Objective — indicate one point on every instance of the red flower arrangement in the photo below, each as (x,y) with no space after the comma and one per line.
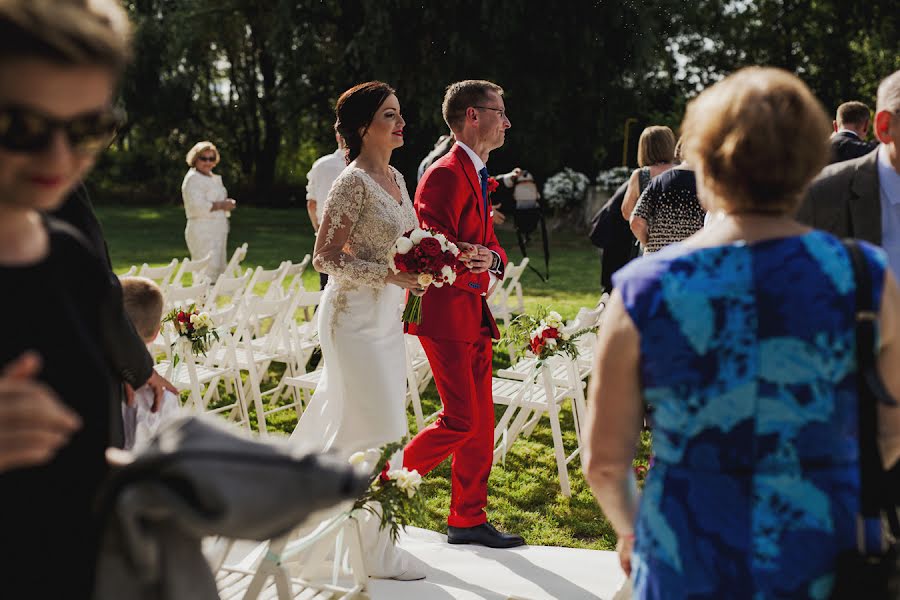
(433,257)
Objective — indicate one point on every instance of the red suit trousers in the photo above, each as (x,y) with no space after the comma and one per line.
(464,428)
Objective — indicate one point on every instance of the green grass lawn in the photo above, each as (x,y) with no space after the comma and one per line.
(524,493)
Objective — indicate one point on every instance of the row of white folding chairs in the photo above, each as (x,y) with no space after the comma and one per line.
(253,334)
(507,297)
(530,390)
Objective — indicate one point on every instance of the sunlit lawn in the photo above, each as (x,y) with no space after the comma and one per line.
(524,492)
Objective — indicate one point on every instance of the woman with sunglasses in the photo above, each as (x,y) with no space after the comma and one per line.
(207,206)
(59,65)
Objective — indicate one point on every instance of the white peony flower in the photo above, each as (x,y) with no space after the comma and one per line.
(539,331)
(418,235)
(201,320)
(565,335)
(407,481)
(554,319)
(403,245)
(550,342)
(425,279)
(448,274)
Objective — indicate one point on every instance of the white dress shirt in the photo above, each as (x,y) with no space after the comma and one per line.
(320,177)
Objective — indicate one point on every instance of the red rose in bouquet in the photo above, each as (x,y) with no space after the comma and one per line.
(433,257)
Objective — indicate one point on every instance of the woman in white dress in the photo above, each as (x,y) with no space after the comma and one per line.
(207,206)
(360,400)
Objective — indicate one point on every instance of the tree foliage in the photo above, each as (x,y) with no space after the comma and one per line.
(259,77)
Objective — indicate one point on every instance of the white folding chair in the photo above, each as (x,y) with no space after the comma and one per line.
(296,270)
(501,300)
(527,401)
(200,378)
(418,376)
(227,291)
(183,297)
(233,268)
(195,268)
(132,271)
(255,355)
(268,577)
(266,283)
(161,275)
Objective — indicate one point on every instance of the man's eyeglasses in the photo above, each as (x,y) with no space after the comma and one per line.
(500,111)
(206,158)
(27,130)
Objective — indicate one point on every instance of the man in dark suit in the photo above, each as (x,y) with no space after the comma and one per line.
(861,197)
(851,125)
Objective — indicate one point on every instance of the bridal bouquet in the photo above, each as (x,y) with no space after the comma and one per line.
(543,335)
(430,254)
(395,490)
(194,327)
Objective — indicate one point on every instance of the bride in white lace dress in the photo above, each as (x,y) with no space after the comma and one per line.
(360,400)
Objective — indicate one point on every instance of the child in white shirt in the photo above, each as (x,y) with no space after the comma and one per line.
(143,301)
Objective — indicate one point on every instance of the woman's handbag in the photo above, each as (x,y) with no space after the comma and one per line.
(872,570)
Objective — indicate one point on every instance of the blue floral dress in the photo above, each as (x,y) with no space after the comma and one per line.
(747,358)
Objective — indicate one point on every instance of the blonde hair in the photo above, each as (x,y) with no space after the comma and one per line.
(71,32)
(757,138)
(199,147)
(461,95)
(657,145)
(143,300)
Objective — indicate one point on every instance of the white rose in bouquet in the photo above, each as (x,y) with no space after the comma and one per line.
(418,235)
(425,279)
(403,245)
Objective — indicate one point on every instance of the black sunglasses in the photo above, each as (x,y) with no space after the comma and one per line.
(27,130)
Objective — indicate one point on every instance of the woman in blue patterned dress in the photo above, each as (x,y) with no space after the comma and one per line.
(742,339)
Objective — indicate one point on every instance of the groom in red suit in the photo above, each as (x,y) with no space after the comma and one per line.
(457,326)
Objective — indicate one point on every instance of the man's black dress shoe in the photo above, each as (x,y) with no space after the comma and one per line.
(484,534)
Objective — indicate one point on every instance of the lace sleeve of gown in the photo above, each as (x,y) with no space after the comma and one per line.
(339,217)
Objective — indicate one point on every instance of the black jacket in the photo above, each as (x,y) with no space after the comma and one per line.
(846,145)
(610,231)
(125,349)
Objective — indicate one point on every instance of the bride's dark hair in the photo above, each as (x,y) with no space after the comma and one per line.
(355,110)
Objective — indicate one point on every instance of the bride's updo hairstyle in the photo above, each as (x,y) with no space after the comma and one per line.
(757,138)
(355,110)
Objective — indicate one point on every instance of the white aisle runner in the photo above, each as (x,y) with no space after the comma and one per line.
(527,573)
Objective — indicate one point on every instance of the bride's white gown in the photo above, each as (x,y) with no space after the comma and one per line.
(359,402)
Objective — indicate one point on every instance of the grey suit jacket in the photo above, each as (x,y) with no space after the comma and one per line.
(845,200)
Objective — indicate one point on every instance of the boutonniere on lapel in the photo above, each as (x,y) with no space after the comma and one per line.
(492,185)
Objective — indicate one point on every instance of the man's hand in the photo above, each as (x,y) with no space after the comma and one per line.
(480,261)
(498,217)
(159,384)
(34,424)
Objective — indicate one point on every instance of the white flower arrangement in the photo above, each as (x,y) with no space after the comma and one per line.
(610,179)
(566,188)
(393,494)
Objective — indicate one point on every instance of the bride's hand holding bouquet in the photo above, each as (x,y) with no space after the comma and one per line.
(429,257)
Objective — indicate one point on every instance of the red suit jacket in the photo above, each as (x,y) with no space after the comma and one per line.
(448,200)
